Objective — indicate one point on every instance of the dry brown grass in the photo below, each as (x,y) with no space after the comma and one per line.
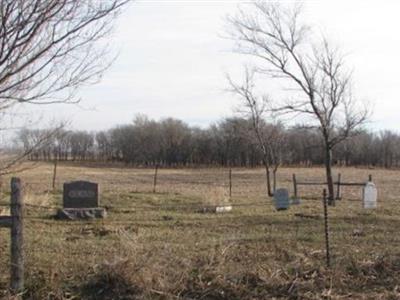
(216,196)
(156,246)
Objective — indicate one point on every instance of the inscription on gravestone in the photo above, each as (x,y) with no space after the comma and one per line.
(80,194)
(281,199)
(370,195)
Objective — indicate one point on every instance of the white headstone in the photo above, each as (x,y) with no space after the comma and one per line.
(370,195)
(281,199)
(222,209)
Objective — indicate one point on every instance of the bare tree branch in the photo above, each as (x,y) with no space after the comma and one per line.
(269,138)
(50,48)
(285,48)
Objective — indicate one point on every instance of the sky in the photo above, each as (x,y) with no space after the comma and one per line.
(174,55)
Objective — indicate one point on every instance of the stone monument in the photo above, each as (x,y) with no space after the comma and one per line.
(281,199)
(370,195)
(81,201)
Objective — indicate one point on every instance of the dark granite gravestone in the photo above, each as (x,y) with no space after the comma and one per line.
(80,194)
(281,199)
(81,201)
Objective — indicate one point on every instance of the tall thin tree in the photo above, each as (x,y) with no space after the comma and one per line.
(320,85)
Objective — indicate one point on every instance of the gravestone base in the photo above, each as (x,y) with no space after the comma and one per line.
(81,213)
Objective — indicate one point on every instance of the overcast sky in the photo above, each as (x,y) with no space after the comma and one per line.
(172,60)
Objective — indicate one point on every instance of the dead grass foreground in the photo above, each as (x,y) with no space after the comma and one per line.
(157,246)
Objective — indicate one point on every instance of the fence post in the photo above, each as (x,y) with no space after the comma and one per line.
(325,204)
(54,174)
(294,186)
(338,196)
(155,179)
(370,178)
(17,237)
(230,182)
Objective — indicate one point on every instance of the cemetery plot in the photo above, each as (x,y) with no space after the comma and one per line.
(252,252)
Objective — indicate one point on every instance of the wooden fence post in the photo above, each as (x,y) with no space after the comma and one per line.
(155,179)
(54,174)
(230,183)
(325,204)
(17,236)
(294,186)
(338,196)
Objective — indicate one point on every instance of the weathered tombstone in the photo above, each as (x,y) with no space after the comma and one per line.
(370,195)
(281,199)
(80,194)
(81,201)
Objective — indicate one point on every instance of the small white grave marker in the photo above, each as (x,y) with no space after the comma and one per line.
(222,209)
(281,199)
(370,195)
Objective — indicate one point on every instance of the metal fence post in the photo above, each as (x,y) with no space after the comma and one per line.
(325,204)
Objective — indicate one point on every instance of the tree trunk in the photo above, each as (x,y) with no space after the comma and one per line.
(268,177)
(274,179)
(329,179)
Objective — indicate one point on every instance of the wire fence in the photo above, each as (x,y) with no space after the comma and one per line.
(145,184)
(200,182)
(173,202)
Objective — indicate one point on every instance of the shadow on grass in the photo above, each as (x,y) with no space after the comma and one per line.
(109,285)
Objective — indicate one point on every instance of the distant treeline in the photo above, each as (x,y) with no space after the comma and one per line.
(171,142)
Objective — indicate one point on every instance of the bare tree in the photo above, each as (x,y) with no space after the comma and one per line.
(321,87)
(50,48)
(231,141)
(36,144)
(269,138)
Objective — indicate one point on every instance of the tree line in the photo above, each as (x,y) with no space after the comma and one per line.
(229,142)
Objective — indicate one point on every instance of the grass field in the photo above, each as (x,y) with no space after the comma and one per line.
(158,246)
